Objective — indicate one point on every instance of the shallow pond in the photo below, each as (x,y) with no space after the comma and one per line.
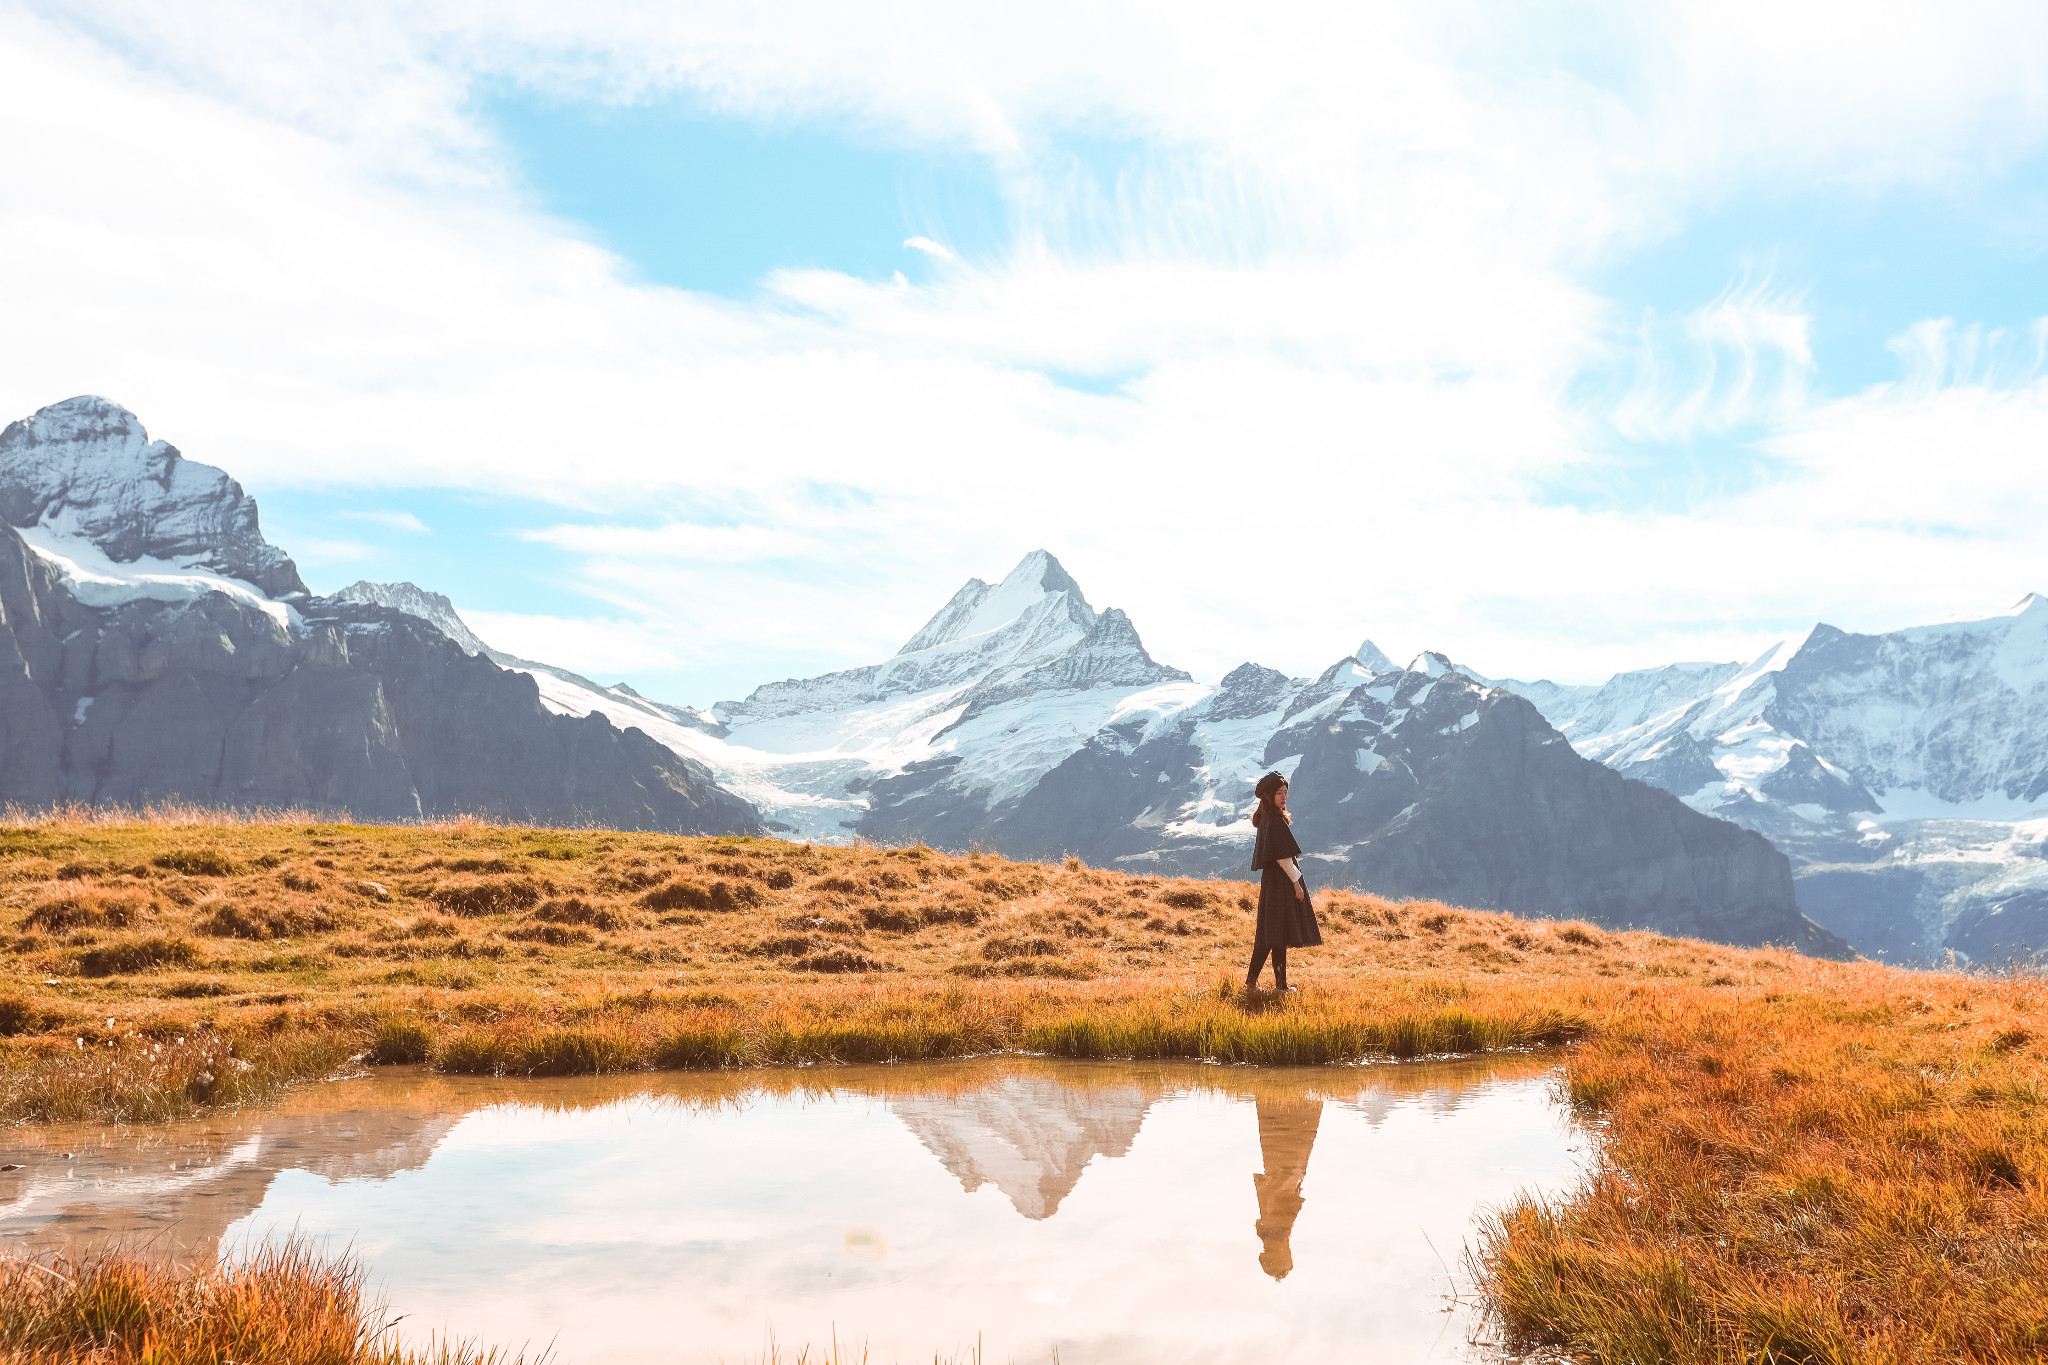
(1079,1212)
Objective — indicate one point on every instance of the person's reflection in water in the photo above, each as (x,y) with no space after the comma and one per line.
(1287,1133)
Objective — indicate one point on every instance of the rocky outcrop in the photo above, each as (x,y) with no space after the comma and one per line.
(86,468)
(431,607)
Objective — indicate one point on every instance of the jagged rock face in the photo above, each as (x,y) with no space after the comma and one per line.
(430,607)
(2003,927)
(1423,783)
(1340,677)
(437,611)
(1624,701)
(145,655)
(1446,789)
(1957,711)
(362,710)
(86,468)
(1891,768)
(1249,690)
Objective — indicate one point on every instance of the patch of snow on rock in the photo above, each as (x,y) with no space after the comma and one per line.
(99,581)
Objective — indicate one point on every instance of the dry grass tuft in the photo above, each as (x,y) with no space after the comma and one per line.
(283,1306)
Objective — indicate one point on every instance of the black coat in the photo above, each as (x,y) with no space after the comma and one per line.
(1285,920)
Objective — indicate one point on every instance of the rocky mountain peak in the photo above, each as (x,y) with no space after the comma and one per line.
(1032,632)
(1372,658)
(1038,587)
(1250,690)
(430,607)
(86,468)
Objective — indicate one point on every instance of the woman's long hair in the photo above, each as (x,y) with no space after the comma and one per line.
(1268,791)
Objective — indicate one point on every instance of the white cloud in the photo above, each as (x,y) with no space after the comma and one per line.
(936,250)
(316,551)
(1342,261)
(397,521)
(600,648)
(1741,360)
(681,541)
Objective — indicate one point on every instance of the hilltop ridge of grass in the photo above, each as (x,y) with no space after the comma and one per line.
(160,965)
(1800,1160)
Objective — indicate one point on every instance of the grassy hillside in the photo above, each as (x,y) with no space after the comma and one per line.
(1804,1160)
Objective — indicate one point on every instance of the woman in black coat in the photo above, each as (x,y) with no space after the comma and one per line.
(1286,919)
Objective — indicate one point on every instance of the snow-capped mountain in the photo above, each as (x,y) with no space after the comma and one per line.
(154,646)
(82,476)
(430,607)
(1032,633)
(1419,781)
(1906,774)
(1000,686)
(1021,719)
(167,650)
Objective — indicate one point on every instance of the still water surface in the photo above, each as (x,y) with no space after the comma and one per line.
(1063,1211)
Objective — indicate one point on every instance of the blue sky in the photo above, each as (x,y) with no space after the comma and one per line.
(713,204)
(701,348)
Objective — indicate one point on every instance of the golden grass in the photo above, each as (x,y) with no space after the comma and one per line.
(282,1306)
(1803,1160)
(1806,1175)
(249,952)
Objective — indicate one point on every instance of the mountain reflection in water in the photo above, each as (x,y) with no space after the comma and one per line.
(1093,1210)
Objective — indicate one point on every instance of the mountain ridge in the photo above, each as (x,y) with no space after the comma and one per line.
(1903,771)
(142,658)
(1020,719)
(1018,715)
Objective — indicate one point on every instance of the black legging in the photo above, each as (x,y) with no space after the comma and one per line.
(1251,978)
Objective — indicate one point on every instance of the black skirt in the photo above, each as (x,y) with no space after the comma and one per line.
(1285,919)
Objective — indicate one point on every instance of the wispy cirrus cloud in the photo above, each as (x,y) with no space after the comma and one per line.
(1741,360)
